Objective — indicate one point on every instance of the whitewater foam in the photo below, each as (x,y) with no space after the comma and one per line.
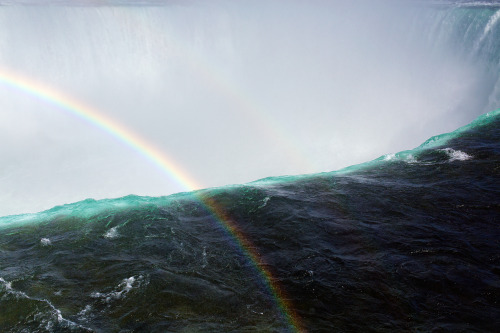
(456,155)
(55,312)
(121,290)
(112,233)
(408,158)
(7,285)
(85,314)
(45,242)
(389,157)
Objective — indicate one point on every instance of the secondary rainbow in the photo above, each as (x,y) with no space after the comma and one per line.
(247,107)
(164,163)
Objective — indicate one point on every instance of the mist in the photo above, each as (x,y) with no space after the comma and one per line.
(231,91)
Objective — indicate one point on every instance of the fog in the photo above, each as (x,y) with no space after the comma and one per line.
(232,91)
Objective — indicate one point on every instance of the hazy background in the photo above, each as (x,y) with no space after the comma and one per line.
(233,91)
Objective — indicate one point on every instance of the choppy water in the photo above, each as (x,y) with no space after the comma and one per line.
(407,242)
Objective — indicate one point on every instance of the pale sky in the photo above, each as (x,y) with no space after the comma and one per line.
(231,91)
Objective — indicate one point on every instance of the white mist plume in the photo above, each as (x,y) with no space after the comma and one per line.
(233,91)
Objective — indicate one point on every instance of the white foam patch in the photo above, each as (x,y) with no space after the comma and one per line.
(85,313)
(121,290)
(456,155)
(410,159)
(389,157)
(45,242)
(8,285)
(55,312)
(85,310)
(112,233)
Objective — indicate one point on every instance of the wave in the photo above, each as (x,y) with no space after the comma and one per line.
(435,145)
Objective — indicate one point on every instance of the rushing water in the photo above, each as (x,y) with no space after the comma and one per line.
(406,242)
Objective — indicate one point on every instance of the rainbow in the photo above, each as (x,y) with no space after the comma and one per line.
(166,164)
(253,112)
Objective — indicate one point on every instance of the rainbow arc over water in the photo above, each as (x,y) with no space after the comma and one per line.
(164,162)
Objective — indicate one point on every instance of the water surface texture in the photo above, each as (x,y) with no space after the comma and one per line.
(407,242)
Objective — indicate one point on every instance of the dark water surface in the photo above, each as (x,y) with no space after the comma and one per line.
(409,242)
